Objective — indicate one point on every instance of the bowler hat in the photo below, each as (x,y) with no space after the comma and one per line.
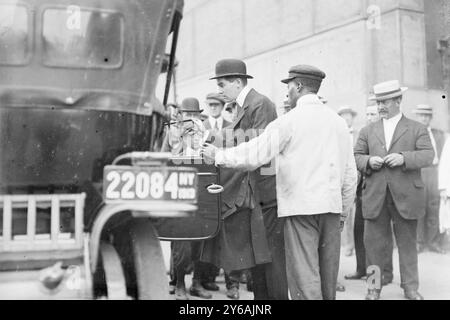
(231,68)
(347,109)
(190,105)
(387,90)
(423,109)
(304,71)
(216,96)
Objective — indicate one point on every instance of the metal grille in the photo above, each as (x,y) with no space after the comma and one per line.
(33,241)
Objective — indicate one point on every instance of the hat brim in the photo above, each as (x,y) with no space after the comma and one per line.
(423,112)
(186,110)
(388,96)
(226,75)
(352,112)
(286,81)
(216,99)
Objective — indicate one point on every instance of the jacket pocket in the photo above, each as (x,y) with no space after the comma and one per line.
(419,183)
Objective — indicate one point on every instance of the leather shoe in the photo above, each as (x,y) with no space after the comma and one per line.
(413,295)
(197,290)
(233,293)
(180,294)
(420,248)
(250,286)
(373,295)
(171,289)
(340,287)
(348,252)
(386,281)
(243,278)
(436,248)
(210,286)
(354,276)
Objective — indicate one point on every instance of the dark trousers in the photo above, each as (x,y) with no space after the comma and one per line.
(185,257)
(376,233)
(270,280)
(208,272)
(232,279)
(360,251)
(428,226)
(312,255)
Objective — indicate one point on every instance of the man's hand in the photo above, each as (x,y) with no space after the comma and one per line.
(444,195)
(209,152)
(341,225)
(376,163)
(394,160)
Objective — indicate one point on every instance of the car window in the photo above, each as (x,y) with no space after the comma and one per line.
(13,34)
(82,38)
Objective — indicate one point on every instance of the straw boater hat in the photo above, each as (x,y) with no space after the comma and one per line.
(423,109)
(387,90)
(347,109)
(190,105)
(231,68)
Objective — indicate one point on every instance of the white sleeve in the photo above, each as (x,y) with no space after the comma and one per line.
(256,152)
(444,168)
(350,182)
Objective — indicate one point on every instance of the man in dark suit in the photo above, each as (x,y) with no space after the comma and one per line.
(251,235)
(428,235)
(390,153)
(372,116)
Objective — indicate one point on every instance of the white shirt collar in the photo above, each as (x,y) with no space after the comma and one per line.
(241,97)
(308,98)
(212,122)
(394,120)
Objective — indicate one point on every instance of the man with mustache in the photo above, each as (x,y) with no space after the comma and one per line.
(372,116)
(390,154)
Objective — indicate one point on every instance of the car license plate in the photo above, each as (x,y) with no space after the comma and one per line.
(150,183)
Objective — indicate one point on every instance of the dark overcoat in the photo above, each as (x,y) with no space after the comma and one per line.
(242,241)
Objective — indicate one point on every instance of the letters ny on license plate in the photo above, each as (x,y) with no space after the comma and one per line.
(149,183)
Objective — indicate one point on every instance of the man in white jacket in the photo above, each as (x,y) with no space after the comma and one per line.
(444,188)
(316,181)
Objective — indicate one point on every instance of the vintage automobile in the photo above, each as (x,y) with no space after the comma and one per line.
(85,193)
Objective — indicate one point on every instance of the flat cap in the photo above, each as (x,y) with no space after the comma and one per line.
(304,71)
(216,96)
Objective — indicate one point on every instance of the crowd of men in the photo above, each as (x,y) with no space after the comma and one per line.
(293,183)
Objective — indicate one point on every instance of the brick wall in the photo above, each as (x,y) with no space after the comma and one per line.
(335,35)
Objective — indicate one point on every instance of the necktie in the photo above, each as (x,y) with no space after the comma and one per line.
(216,125)
(236,109)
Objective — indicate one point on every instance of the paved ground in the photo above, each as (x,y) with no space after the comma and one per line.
(434,274)
(434,278)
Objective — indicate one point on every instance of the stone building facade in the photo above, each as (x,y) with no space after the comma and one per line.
(356,42)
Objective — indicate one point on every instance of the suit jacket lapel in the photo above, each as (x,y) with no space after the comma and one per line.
(207,124)
(379,133)
(400,130)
